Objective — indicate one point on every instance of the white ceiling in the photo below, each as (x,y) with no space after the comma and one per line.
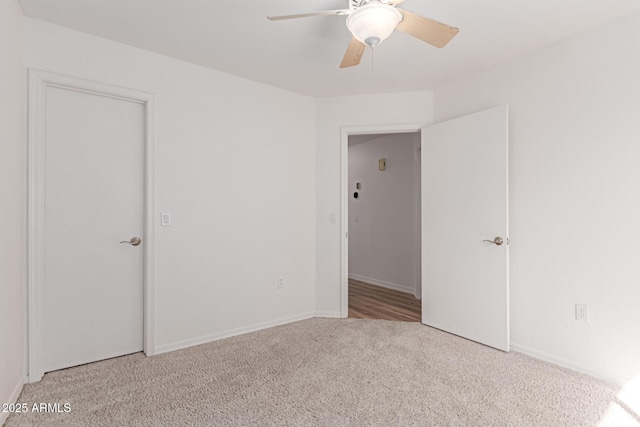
(303,55)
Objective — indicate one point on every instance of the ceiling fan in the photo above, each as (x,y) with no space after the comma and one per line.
(372,21)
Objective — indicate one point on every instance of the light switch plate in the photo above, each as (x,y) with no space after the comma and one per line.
(165,219)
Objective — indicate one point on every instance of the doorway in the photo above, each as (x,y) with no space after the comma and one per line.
(90,230)
(381,222)
(464,220)
(384,226)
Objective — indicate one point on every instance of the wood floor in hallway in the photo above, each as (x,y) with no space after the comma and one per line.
(368,301)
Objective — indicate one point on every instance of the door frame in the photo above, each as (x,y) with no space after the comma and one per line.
(345,132)
(39,81)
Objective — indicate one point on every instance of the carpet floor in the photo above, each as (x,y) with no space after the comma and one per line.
(326,372)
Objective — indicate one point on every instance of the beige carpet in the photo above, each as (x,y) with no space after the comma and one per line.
(327,372)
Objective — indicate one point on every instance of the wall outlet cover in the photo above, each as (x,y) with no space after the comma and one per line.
(582,312)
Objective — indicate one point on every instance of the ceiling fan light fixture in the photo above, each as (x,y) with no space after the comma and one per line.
(373,23)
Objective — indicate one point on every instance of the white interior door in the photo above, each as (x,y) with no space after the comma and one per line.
(465,279)
(94,198)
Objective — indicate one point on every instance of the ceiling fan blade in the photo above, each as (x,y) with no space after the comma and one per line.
(304,15)
(354,52)
(433,32)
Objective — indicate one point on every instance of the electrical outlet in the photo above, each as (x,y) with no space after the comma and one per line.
(280,282)
(582,312)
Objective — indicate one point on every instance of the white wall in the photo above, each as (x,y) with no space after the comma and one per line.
(575,204)
(11,202)
(331,115)
(235,168)
(383,220)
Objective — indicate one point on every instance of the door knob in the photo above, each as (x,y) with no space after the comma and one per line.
(135,241)
(497,241)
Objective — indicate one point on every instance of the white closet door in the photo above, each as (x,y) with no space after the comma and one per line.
(94,194)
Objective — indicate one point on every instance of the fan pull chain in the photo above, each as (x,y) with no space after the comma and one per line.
(372,59)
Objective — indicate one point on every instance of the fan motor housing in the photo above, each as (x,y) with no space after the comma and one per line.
(354,4)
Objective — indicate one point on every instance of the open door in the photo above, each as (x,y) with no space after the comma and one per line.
(465,227)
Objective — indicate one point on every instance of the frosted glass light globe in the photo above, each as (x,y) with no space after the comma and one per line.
(373,23)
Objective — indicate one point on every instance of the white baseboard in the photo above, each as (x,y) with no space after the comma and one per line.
(383,284)
(611,378)
(331,314)
(230,333)
(12,399)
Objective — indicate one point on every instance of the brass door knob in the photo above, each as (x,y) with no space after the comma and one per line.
(497,241)
(135,241)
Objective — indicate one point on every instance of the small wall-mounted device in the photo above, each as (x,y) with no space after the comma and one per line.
(358,186)
(355,195)
(382,164)
(165,219)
